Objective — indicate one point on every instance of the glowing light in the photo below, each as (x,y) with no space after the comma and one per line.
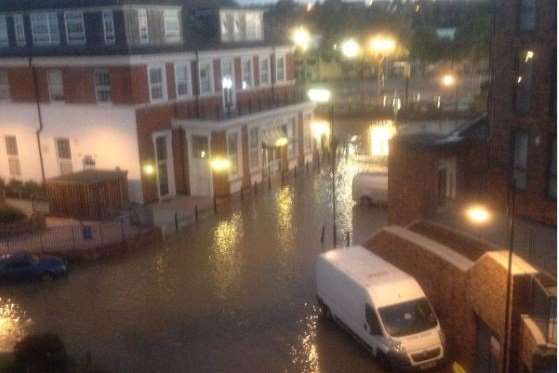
(14,324)
(149,169)
(282,141)
(203,154)
(448,80)
(301,38)
(227,83)
(319,95)
(519,80)
(529,56)
(319,129)
(220,164)
(380,136)
(351,48)
(478,214)
(382,45)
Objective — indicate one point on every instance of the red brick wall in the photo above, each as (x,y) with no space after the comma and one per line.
(79,85)
(22,88)
(139,84)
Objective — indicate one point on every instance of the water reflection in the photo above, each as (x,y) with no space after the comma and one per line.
(304,352)
(14,324)
(225,256)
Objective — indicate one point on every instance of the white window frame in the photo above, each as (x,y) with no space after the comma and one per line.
(52,86)
(4,39)
(102,89)
(19,30)
(109,27)
(243,74)
(188,81)
(75,38)
(13,159)
(266,59)
(63,161)
(143,38)
(170,16)
(53,33)
(4,85)
(212,83)
(257,17)
(283,58)
(163,82)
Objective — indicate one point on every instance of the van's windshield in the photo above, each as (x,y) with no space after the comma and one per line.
(408,317)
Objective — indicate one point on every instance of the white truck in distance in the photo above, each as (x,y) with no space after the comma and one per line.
(381,306)
(371,187)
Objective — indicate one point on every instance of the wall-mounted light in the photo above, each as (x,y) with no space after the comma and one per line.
(220,164)
(282,141)
(149,169)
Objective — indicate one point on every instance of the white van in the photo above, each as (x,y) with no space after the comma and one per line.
(380,305)
(371,187)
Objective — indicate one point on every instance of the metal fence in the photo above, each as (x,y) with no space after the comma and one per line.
(83,236)
(544,308)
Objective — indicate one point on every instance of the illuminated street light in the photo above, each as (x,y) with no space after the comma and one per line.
(149,169)
(320,129)
(319,95)
(448,80)
(351,48)
(301,38)
(383,45)
(282,141)
(478,214)
(219,164)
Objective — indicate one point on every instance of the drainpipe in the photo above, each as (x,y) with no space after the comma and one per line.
(40,118)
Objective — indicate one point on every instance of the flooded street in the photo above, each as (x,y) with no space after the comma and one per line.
(235,293)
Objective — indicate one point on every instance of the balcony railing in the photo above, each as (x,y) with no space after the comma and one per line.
(544,306)
(250,104)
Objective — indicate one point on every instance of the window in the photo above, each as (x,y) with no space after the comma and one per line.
(157,89)
(64,155)
(4,85)
(4,41)
(246,73)
(75,27)
(233,153)
(56,89)
(44,27)
(552,178)
(227,26)
(280,68)
(143,29)
(372,321)
(239,30)
(526,15)
(13,156)
(172,25)
(182,79)
(524,82)
(264,70)
(19,29)
(200,148)
(254,148)
(102,85)
(206,78)
(253,26)
(109,27)
(307,136)
(520,161)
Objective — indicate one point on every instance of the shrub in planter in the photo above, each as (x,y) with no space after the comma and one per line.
(9,214)
(40,353)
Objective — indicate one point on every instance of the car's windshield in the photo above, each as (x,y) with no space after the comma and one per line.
(408,317)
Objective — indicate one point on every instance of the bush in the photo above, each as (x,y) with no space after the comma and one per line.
(9,214)
(41,353)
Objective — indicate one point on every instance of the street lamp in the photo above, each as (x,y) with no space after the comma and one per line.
(449,81)
(381,46)
(301,38)
(351,48)
(323,96)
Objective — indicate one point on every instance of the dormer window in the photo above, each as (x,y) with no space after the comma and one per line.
(143,29)
(240,25)
(109,27)
(75,27)
(19,29)
(44,27)
(171,24)
(3,32)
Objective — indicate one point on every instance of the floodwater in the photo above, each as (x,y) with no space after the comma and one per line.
(235,293)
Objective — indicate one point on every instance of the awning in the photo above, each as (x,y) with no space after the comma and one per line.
(271,136)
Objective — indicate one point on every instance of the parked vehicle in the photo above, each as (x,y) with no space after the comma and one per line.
(371,187)
(381,306)
(24,267)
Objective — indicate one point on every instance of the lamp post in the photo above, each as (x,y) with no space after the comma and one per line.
(381,46)
(479,215)
(324,96)
(351,50)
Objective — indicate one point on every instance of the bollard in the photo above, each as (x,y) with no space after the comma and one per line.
(176,222)
(196,213)
(347,241)
(322,234)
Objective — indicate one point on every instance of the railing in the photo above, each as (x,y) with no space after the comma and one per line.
(544,307)
(58,239)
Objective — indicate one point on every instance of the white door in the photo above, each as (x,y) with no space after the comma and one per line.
(200,173)
(164,166)
(228,84)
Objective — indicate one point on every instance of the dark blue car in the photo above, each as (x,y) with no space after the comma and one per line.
(24,267)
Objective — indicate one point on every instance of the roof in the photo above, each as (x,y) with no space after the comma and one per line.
(12,5)
(87,177)
(386,284)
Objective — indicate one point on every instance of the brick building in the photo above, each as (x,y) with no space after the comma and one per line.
(155,88)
